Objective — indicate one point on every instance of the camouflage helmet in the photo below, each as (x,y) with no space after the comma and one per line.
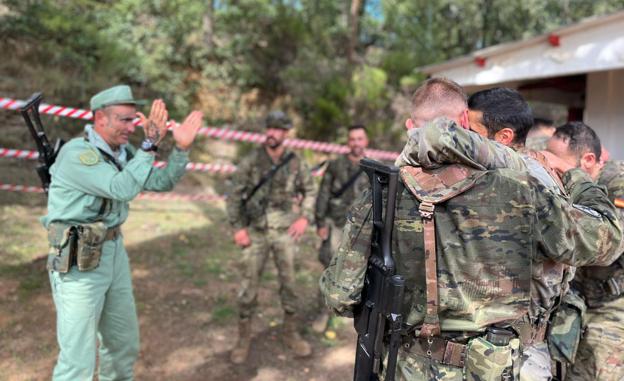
(278,119)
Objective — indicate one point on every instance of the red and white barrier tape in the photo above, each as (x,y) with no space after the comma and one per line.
(220,168)
(142,196)
(211,132)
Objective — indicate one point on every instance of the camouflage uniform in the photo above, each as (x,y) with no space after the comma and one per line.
(332,211)
(267,216)
(493,243)
(537,143)
(600,354)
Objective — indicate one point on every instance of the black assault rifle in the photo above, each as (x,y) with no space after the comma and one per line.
(378,319)
(47,154)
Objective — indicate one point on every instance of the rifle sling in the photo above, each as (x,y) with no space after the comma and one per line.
(268,176)
(347,184)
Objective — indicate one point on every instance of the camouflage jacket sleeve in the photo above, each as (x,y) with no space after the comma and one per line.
(443,142)
(305,187)
(324,195)
(342,282)
(581,231)
(239,184)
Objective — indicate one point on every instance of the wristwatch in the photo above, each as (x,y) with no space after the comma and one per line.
(148,145)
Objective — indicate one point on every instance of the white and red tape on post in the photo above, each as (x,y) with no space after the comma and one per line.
(211,132)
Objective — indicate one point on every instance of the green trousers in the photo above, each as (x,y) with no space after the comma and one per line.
(94,306)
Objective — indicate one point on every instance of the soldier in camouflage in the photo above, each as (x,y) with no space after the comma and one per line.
(495,113)
(342,182)
(600,354)
(269,208)
(492,242)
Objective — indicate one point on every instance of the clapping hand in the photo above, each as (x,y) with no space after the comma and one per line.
(155,127)
(184,134)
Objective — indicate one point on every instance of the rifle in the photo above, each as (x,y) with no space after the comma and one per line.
(47,154)
(378,318)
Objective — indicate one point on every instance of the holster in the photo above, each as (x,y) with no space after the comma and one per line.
(79,245)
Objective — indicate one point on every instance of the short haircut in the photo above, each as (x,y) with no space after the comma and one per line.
(436,92)
(580,137)
(503,108)
(357,127)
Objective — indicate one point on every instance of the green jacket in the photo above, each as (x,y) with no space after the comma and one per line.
(82,179)
(277,204)
(490,241)
(337,174)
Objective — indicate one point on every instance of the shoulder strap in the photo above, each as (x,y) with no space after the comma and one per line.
(347,184)
(431,188)
(268,176)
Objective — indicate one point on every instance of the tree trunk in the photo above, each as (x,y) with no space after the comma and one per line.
(354,27)
(208,25)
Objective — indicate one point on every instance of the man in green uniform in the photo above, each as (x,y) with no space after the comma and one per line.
(342,183)
(271,183)
(600,354)
(93,180)
(492,239)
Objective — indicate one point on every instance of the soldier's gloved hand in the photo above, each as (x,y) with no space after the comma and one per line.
(298,227)
(155,127)
(241,238)
(323,232)
(184,134)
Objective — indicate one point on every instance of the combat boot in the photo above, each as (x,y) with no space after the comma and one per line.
(240,352)
(293,339)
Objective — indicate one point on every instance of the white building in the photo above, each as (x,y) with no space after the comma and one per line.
(580,67)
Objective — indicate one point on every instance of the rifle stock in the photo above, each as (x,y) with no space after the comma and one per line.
(378,318)
(47,153)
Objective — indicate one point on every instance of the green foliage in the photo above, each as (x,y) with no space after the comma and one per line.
(237,59)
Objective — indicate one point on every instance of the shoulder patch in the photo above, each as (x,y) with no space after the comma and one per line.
(587,210)
(89,157)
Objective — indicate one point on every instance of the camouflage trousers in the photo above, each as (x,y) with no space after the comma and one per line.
(600,354)
(266,243)
(534,365)
(331,244)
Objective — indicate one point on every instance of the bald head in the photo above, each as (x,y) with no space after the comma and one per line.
(435,98)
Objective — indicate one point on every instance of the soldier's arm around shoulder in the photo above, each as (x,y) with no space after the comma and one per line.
(324,195)
(240,183)
(81,167)
(342,282)
(442,141)
(164,179)
(583,230)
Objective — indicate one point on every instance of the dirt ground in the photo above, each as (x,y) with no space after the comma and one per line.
(186,276)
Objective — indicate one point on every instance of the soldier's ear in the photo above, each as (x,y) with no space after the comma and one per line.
(505,136)
(409,123)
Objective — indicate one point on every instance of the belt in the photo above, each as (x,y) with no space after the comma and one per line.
(439,349)
(112,233)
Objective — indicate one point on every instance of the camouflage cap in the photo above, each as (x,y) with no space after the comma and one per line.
(116,95)
(278,119)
